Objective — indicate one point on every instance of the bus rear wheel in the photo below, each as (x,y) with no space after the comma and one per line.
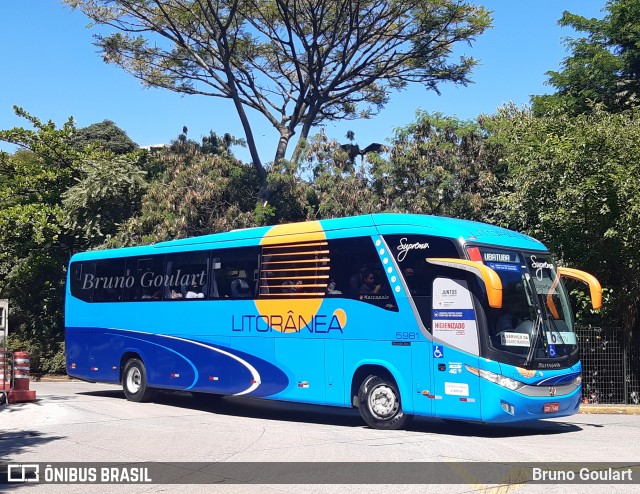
(379,404)
(134,381)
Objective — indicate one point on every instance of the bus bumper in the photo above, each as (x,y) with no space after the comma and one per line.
(501,405)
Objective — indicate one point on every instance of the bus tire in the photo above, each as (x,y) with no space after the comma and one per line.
(379,404)
(134,382)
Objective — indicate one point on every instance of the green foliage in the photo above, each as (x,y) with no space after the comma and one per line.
(438,165)
(46,353)
(573,183)
(584,312)
(337,187)
(197,194)
(107,194)
(54,199)
(296,63)
(105,136)
(288,203)
(604,66)
(34,246)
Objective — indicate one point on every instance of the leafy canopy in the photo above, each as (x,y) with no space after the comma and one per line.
(573,184)
(604,65)
(296,62)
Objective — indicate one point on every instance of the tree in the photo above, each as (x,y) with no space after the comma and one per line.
(438,165)
(573,184)
(55,197)
(336,185)
(34,246)
(108,193)
(106,136)
(296,62)
(604,66)
(203,189)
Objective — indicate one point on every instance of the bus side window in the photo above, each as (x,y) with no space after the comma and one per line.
(82,279)
(187,276)
(234,273)
(296,270)
(144,278)
(357,272)
(410,253)
(109,281)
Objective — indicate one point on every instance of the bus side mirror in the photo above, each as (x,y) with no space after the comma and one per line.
(595,289)
(489,277)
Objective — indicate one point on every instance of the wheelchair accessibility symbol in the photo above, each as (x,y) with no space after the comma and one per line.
(438,351)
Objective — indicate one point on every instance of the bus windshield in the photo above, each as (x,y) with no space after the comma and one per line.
(534,323)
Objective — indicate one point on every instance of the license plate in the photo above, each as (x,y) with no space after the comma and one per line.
(551,407)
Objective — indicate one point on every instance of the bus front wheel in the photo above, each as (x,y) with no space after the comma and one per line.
(379,404)
(134,381)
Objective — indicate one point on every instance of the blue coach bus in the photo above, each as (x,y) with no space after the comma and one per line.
(398,315)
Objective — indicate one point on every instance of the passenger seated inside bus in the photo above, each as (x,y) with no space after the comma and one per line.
(291,286)
(355,282)
(194,291)
(240,288)
(151,294)
(369,285)
(515,317)
(331,288)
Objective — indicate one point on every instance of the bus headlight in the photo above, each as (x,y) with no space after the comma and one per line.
(500,380)
(578,381)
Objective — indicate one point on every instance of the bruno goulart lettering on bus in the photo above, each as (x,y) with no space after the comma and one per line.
(147,280)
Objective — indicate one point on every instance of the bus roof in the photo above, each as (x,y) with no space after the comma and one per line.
(463,230)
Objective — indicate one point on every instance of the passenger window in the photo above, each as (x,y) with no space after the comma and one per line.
(109,281)
(357,272)
(410,253)
(186,276)
(82,278)
(145,278)
(234,273)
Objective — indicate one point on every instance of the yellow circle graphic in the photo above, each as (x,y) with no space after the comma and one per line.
(288,316)
(341,316)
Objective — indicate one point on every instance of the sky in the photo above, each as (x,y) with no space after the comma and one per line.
(50,67)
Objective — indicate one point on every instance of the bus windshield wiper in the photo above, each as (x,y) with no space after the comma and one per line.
(536,333)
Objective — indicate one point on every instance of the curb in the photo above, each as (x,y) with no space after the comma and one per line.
(52,378)
(610,409)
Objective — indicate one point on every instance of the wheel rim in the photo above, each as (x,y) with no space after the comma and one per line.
(134,378)
(383,402)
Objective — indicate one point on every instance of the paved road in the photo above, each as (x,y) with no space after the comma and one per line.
(82,422)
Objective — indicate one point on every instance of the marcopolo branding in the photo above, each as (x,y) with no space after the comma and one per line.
(147,280)
(553,365)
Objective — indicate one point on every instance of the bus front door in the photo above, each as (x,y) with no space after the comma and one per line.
(456,391)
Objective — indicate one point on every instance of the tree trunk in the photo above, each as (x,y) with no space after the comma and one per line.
(264,194)
(285,136)
(304,135)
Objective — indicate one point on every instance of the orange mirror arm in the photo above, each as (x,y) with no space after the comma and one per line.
(489,277)
(594,285)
